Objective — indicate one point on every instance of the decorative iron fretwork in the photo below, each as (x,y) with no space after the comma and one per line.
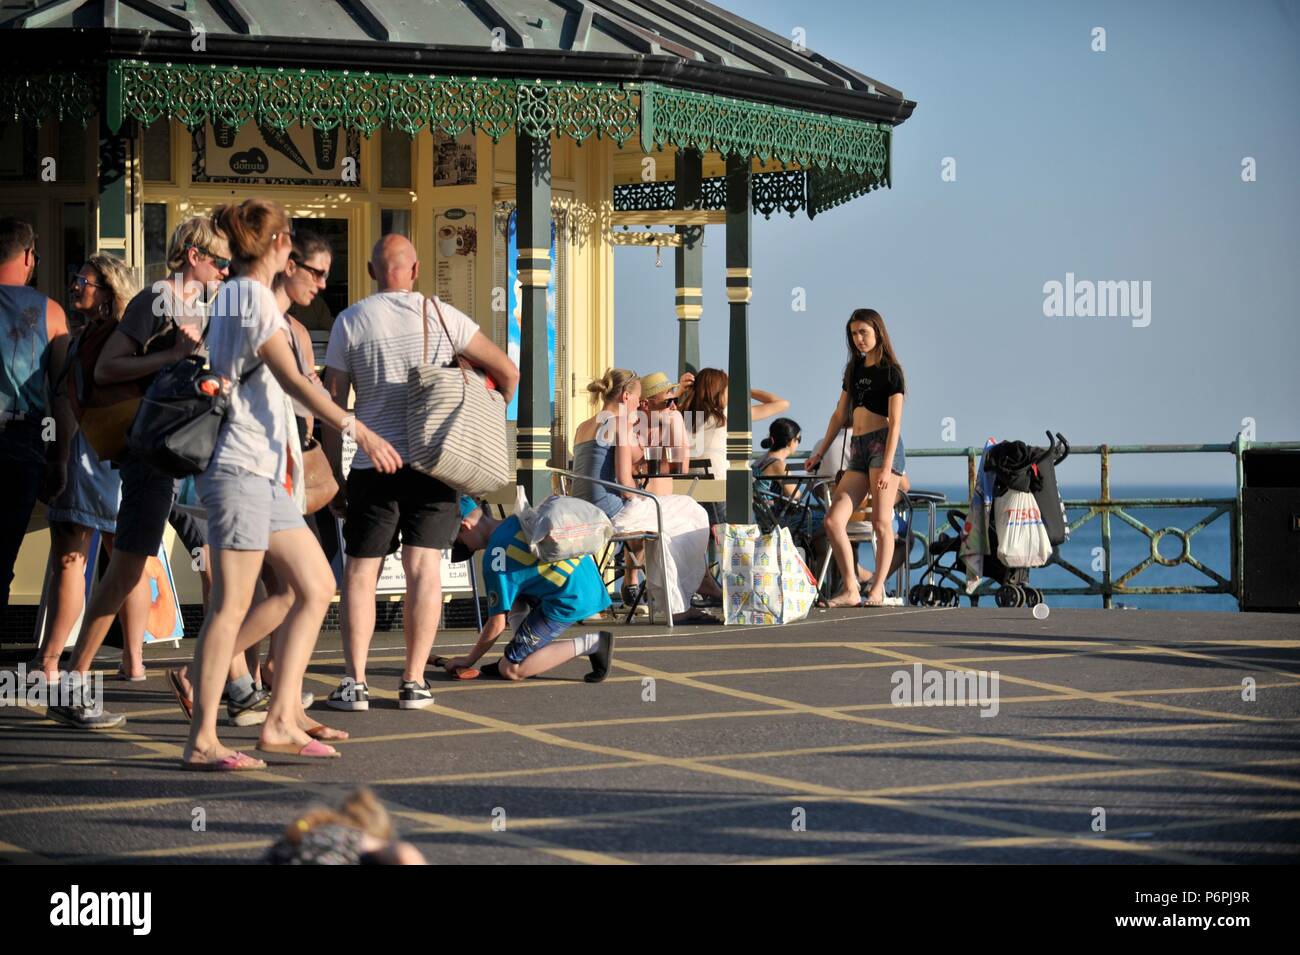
(687,119)
(325,99)
(770,191)
(713,193)
(645,196)
(37,95)
(830,188)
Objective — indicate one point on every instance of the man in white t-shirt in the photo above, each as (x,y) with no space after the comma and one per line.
(373,346)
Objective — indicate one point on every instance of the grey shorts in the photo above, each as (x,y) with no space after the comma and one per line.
(868,452)
(245,509)
(147,498)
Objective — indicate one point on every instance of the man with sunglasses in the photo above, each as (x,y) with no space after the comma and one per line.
(161,325)
(33,347)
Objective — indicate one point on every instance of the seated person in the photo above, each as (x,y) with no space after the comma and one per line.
(782,441)
(678,565)
(550,597)
(604,448)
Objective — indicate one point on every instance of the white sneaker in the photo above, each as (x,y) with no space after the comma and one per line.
(349,695)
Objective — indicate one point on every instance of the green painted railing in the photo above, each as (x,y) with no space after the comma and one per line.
(1105,507)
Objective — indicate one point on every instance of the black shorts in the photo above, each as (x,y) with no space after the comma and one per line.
(407,507)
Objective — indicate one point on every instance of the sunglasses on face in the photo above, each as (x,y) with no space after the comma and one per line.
(220,263)
(80,282)
(318,274)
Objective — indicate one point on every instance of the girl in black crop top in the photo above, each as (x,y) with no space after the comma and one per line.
(873,377)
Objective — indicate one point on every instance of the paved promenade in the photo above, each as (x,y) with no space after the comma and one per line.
(742,745)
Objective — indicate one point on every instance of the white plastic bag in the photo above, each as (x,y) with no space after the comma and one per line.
(564,527)
(1022,535)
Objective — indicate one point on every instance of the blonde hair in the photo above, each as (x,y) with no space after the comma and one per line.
(361,810)
(611,385)
(251,227)
(197,232)
(120,279)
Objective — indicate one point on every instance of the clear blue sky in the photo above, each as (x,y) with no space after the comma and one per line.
(1122,165)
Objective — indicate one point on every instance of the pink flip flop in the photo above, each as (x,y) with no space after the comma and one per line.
(237,763)
(313,750)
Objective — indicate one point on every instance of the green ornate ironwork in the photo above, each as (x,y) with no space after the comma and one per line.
(326,99)
(36,95)
(829,188)
(770,191)
(686,119)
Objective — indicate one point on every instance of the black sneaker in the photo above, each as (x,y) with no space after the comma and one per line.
(250,711)
(349,695)
(414,696)
(600,658)
(85,718)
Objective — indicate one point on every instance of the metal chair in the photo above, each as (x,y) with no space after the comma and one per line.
(618,567)
(861,532)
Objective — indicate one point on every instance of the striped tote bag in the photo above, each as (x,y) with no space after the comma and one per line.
(455,424)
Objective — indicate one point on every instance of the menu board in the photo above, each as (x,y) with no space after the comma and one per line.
(455,244)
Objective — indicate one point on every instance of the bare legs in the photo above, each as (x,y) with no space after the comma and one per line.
(423,566)
(360,577)
(849,494)
(882,527)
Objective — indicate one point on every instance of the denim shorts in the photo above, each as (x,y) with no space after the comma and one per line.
(868,452)
(245,509)
(535,632)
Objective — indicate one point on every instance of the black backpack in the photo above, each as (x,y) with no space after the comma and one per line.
(176,428)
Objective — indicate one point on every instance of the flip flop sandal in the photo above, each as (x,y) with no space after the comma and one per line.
(178,690)
(238,763)
(313,750)
(326,733)
(459,673)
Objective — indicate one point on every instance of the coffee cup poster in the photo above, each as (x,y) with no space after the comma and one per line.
(268,156)
(455,244)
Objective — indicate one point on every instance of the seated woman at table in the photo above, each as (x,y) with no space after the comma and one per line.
(704,406)
(605,448)
(637,430)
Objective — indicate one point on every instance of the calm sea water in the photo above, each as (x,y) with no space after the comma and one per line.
(1129,547)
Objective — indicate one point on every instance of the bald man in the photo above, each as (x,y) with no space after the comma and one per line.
(373,346)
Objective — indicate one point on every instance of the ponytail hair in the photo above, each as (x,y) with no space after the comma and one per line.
(611,385)
(780,433)
(251,227)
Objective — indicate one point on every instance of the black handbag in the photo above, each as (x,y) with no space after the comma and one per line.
(176,428)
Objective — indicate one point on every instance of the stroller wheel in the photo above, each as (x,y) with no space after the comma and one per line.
(1010,596)
(934,597)
(1032,597)
(950,597)
(914,595)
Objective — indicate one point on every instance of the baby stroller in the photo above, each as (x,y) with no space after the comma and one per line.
(1006,466)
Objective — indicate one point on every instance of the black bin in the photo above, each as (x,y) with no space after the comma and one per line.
(1270,526)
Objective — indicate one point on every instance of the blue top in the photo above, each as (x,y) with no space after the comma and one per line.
(567,590)
(595,459)
(24,350)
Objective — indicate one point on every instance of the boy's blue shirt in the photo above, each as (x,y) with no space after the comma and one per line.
(567,590)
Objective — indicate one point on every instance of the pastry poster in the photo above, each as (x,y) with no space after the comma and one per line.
(297,156)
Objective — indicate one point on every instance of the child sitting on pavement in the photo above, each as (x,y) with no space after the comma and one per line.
(550,597)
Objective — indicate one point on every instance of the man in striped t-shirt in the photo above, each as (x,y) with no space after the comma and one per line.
(373,346)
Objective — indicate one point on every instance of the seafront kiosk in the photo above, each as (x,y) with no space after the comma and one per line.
(516,146)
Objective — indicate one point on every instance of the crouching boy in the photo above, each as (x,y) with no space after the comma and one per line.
(549,597)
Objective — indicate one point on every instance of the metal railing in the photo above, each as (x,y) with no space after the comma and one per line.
(1105,507)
